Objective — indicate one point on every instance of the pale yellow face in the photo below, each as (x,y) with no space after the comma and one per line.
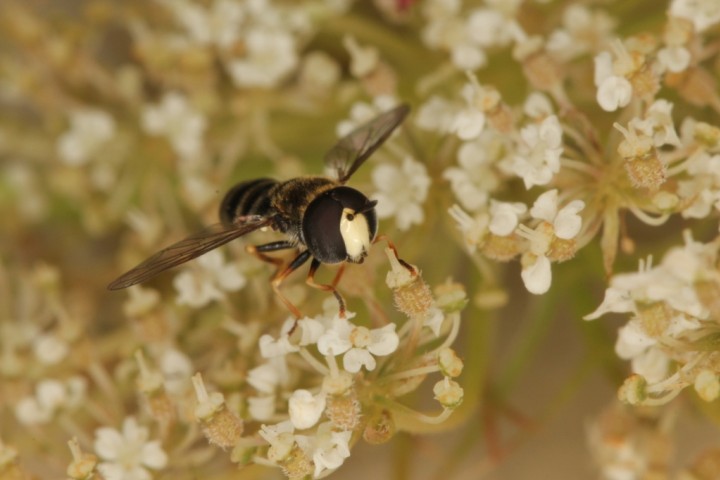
(355,233)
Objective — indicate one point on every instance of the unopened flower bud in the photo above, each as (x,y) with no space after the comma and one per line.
(655,318)
(297,465)
(380,428)
(151,385)
(707,385)
(450,297)
(338,384)
(665,201)
(83,465)
(10,467)
(707,134)
(243,454)
(502,248)
(450,364)
(646,172)
(411,294)
(344,411)
(448,392)
(561,249)
(220,426)
(633,391)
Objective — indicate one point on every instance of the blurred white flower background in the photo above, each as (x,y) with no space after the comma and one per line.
(543,297)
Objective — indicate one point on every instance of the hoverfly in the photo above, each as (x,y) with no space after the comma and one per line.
(321,217)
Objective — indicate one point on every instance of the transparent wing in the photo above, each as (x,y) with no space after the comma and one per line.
(187,249)
(352,150)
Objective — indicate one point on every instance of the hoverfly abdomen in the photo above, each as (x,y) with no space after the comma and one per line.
(252,197)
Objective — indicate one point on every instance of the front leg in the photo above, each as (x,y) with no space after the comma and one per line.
(280,274)
(328,288)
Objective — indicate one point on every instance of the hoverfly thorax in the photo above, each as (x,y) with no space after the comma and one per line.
(340,225)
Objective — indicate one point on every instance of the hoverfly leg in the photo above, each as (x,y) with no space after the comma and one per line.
(338,275)
(392,247)
(310,280)
(259,251)
(281,275)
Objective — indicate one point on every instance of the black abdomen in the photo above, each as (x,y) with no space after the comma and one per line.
(251,197)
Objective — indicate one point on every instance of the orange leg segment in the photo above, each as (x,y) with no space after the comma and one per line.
(281,273)
(328,288)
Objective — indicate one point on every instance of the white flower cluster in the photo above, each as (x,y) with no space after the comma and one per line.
(468,35)
(318,422)
(488,156)
(51,397)
(673,308)
(268,33)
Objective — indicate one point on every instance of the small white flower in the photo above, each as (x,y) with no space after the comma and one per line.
(564,224)
(703,13)
(674,58)
(474,229)
(504,217)
(330,448)
(305,408)
(281,439)
(50,397)
(218,25)
(401,192)
(538,155)
(434,320)
(671,282)
(176,369)
(90,129)
(271,347)
(128,455)
(362,112)
(583,31)
(271,55)
(437,115)
(175,119)
(537,106)
(614,91)
(658,124)
(488,27)
(363,60)
(49,349)
(468,124)
(537,276)
(197,288)
(269,376)
(262,408)
(475,177)
(358,344)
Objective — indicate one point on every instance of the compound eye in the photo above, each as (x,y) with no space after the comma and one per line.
(321,230)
